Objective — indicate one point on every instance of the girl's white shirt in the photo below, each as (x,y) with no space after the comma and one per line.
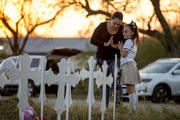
(131,47)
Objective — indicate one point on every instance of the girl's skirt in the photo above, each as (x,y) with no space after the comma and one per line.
(130,74)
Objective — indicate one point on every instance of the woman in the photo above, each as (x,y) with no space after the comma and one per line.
(106,34)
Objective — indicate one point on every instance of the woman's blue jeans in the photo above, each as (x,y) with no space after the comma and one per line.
(110,70)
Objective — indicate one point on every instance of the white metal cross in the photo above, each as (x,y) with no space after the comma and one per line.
(23,73)
(62,78)
(72,80)
(102,80)
(90,74)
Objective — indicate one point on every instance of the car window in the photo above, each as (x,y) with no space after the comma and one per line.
(158,67)
(178,68)
(35,62)
(14,59)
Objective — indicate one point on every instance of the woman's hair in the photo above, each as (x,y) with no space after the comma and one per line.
(118,15)
(134,28)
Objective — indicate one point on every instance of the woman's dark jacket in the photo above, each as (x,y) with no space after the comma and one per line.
(100,36)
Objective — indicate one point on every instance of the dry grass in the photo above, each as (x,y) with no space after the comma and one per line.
(9,111)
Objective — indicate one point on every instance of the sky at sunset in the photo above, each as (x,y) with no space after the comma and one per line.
(73,21)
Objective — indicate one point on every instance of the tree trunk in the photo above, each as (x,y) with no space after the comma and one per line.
(172,48)
(174,54)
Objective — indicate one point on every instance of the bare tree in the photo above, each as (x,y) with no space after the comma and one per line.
(29,14)
(164,35)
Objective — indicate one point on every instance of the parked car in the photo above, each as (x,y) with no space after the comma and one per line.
(160,80)
(10,62)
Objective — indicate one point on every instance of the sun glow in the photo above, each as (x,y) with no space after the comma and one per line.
(72,21)
(11,11)
(65,26)
(146,7)
(43,11)
(95,5)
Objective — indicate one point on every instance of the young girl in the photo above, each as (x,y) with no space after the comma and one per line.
(130,74)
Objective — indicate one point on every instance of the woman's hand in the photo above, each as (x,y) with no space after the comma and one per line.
(114,45)
(109,42)
(120,45)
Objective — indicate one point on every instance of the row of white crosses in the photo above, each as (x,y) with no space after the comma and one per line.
(66,77)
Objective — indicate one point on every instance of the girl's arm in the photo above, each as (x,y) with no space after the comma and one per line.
(124,53)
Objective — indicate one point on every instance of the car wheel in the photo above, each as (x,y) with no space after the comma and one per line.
(161,94)
(31,88)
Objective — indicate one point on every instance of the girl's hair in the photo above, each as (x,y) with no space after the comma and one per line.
(134,28)
(118,15)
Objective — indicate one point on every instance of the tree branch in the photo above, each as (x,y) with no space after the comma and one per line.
(112,5)
(150,20)
(4,21)
(163,23)
(156,34)
(93,12)
(9,40)
(36,25)
(175,11)
(17,24)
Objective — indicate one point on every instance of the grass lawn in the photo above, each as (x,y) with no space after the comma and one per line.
(148,51)
(9,111)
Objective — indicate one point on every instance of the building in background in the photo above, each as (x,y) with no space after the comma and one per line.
(45,46)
